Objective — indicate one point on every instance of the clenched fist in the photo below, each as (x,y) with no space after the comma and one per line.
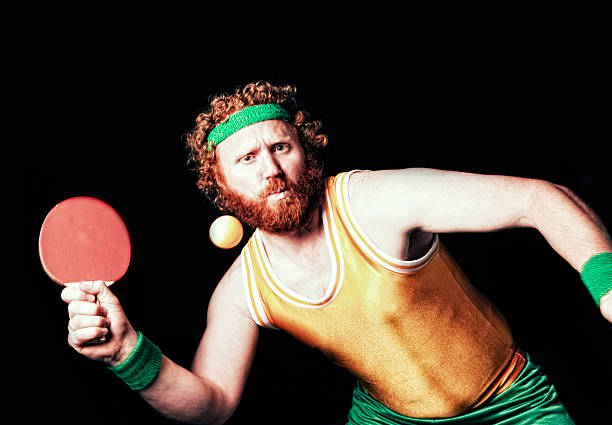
(95,312)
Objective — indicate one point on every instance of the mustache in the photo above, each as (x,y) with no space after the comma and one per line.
(275,184)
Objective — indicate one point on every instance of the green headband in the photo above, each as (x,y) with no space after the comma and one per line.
(243,118)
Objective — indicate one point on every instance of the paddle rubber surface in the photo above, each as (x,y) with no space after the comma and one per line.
(82,239)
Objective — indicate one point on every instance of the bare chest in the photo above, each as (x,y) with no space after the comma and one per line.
(310,274)
(307,275)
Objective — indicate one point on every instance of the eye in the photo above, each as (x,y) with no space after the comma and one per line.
(246,158)
(280,147)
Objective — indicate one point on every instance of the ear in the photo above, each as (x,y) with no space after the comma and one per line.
(217,174)
(293,129)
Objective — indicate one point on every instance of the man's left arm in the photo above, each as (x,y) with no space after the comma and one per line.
(440,201)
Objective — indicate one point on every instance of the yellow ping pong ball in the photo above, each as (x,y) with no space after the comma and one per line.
(226,232)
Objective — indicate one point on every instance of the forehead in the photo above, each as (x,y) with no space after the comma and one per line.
(269,131)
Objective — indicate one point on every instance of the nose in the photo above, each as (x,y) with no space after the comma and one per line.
(269,166)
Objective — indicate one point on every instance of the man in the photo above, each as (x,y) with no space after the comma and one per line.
(353,266)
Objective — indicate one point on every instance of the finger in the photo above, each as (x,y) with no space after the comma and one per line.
(72,293)
(99,289)
(85,308)
(79,322)
(82,336)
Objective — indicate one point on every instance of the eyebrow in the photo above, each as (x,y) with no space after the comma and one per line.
(245,151)
(252,146)
(282,138)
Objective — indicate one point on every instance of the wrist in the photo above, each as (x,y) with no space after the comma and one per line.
(142,365)
(597,276)
(128,343)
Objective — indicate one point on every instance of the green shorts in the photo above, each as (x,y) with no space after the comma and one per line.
(531,399)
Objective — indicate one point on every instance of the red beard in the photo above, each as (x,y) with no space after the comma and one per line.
(290,213)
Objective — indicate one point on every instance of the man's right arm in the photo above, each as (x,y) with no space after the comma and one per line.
(208,393)
(211,392)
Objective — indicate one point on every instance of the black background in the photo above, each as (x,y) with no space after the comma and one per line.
(103,112)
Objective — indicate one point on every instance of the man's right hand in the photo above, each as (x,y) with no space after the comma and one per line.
(90,320)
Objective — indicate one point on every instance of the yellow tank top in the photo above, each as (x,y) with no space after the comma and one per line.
(417,335)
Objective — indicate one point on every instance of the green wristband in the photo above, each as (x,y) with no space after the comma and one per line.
(142,365)
(597,275)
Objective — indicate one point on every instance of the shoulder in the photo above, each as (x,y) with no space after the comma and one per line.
(408,189)
(377,192)
(366,180)
(394,200)
(385,206)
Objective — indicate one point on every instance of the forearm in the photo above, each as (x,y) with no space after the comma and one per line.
(170,389)
(571,228)
(181,395)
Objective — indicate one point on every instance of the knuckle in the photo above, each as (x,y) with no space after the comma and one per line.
(73,342)
(86,334)
(65,295)
(101,310)
(82,322)
(80,335)
(75,308)
(76,322)
(97,333)
(73,323)
(98,286)
(70,293)
(72,307)
(85,308)
(103,322)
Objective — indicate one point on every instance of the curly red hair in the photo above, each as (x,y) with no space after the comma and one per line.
(222,106)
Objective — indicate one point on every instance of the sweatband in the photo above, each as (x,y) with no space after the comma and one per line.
(141,366)
(597,275)
(243,118)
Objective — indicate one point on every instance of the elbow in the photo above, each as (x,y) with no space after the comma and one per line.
(219,421)
(566,191)
(223,416)
(547,199)
(205,404)
(219,418)
(537,198)
(220,406)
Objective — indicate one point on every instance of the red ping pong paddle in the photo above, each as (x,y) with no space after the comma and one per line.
(84,239)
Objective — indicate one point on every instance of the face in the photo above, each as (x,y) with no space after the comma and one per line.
(265,178)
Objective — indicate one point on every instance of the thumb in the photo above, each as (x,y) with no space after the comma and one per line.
(99,289)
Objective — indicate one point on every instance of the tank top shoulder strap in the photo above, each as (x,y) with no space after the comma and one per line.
(255,301)
(339,195)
